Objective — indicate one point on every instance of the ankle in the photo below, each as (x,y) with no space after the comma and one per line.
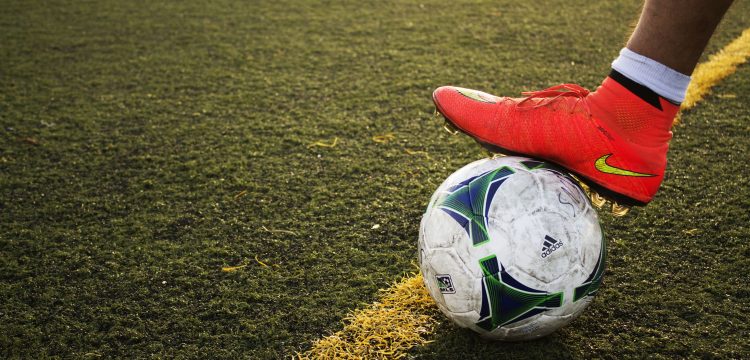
(643,119)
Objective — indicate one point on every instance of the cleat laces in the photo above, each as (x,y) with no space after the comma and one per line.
(551,94)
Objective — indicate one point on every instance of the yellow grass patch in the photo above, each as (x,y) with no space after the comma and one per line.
(384,330)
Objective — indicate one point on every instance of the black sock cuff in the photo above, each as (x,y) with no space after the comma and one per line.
(639,90)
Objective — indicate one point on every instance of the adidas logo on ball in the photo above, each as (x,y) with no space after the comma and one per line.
(550,245)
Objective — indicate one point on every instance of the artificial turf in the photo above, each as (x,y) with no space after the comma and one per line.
(147,145)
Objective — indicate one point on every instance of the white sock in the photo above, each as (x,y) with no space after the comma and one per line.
(661,79)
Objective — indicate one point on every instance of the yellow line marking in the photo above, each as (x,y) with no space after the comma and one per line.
(718,67)
(384,330)
(402,319)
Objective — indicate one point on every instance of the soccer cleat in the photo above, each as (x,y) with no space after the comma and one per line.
(615,139)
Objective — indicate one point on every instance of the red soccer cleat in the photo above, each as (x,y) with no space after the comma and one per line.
(615,138)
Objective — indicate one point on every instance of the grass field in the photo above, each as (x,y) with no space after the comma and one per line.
(148,145)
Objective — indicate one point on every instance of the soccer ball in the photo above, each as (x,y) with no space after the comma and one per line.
(511,248)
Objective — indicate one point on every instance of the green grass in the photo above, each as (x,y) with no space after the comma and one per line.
(129,129)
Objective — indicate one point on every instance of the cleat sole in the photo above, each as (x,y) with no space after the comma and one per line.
(619,210)
(600,201)
(597,200)
(450,128)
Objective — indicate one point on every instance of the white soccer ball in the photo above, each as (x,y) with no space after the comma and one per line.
(511,248)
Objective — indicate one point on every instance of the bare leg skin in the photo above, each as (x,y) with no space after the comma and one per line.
(675,32)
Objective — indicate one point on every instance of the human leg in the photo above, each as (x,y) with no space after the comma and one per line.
(675,33)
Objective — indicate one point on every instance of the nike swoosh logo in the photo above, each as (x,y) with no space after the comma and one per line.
(601,165)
